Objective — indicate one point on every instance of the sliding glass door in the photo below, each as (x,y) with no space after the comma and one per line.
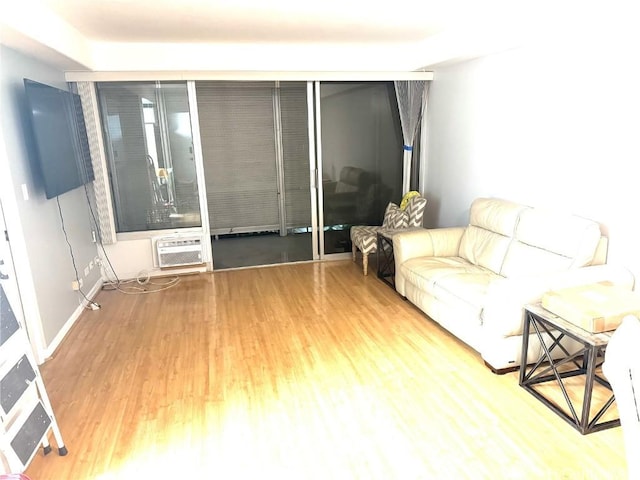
(274,151)
(255,146)
(360,157)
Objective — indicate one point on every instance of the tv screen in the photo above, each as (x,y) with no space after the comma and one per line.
(60,135)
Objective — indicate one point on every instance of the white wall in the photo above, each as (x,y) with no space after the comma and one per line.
(556,124)
(133,258)
(43,263)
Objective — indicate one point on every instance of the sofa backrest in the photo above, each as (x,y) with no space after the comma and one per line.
(546,241)
(492,222)
(513,239)
(354,179)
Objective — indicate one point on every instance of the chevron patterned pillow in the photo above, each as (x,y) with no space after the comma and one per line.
(395,217)
(415,209)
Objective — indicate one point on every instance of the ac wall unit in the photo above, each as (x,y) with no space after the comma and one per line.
(179,251)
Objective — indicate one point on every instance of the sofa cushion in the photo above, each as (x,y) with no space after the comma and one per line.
(468,288)
(492,223)
(525,260)
(426,272)
(395,217)
(353,179)
(415,210)
(496,215)
(549,242)
(365,238)
(484,248)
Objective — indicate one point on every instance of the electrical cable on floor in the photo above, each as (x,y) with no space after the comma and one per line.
(123,286)
(142,290)
(90,303)
(139,285)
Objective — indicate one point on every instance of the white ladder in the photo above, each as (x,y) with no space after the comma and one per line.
(26,416)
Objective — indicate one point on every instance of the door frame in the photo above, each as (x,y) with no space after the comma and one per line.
(315,183)
(16,288)
(7,271)
(320,191)
(207,251)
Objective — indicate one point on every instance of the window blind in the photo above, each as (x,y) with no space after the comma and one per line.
(295,149)
(149,147)
(238,146)
(122,113)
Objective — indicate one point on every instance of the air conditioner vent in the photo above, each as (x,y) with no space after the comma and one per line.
(179,251)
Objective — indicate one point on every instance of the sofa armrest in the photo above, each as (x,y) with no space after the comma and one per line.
(435,242)
(329,186)
(506,297)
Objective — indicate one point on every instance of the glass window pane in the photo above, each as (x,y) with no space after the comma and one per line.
(361,157)
(147,129)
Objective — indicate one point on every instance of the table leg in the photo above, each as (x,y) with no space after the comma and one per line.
(590,372)
(525,346)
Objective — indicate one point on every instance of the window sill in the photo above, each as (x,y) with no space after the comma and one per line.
(149,234)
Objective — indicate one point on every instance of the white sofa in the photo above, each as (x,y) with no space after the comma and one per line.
(475,280)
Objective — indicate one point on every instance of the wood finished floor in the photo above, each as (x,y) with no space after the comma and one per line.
(307,371)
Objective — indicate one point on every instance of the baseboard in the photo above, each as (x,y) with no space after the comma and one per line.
(55,343)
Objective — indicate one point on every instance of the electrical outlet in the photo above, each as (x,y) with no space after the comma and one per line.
(76,285)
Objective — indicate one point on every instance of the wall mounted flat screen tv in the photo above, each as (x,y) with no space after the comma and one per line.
(60,135)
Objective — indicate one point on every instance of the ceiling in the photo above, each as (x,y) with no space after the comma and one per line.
(249,21)
(358,35)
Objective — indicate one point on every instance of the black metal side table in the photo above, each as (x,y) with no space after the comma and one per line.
(550,331)
(385,259)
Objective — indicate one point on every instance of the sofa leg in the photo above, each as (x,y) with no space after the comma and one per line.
(354,249)
(365,263)
(501,371)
